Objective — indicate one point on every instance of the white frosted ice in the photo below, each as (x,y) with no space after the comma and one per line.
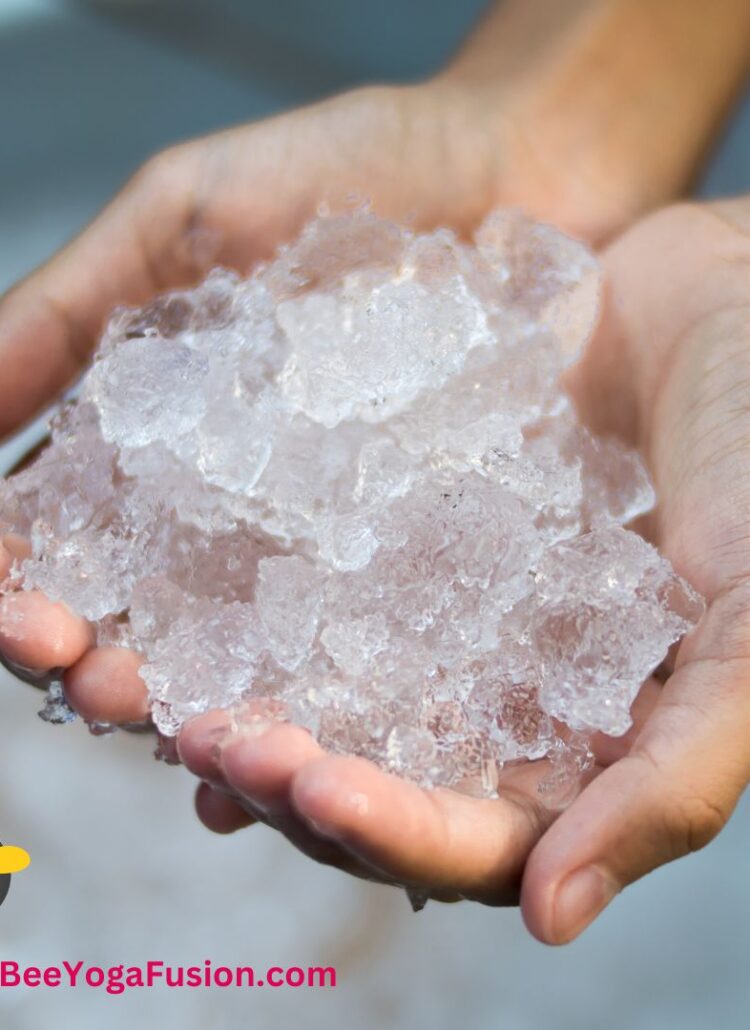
(350,489)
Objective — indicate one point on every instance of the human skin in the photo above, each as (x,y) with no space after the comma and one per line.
(232,198)
(668,370)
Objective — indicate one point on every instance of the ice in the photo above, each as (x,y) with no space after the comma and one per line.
(288,598)
(349,491)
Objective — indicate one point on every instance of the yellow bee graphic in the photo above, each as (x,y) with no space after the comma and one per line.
(12,860)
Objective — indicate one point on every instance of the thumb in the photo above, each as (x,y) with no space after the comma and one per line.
(670,795)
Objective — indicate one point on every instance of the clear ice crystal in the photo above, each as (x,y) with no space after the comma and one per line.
(349,491)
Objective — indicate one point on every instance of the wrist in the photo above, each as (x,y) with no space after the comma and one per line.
(597,104)
(526,145)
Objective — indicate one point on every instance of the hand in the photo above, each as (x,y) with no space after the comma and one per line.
(154,236)
(670,370)
(440,153)
(444,152)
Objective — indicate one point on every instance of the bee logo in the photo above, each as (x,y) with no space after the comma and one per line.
(12,860)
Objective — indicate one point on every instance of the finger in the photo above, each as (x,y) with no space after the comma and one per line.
(650,301)
(198,744)
(105,686)
(439,838)
(259,765)
(671,795)
(199,739)
(140,244)
(219,812)
(39,634)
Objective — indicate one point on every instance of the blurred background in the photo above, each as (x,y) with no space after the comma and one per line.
(122,871)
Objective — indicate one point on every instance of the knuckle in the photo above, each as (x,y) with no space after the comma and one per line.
(693,821)
(172,243)
(159,171)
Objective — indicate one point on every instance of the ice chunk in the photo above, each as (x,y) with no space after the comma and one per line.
(350,491)
(130,385)
(288,599)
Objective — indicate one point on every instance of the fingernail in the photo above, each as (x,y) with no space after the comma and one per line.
(199,742)
(243,727)
(578,901)
(253,727)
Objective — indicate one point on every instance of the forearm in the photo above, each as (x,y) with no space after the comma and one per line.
(615,101)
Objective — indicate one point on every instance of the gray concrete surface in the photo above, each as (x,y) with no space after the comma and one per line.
(121,870)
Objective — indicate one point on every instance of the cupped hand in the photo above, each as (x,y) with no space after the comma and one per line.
(669,369)
(433,154)
(439,153)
